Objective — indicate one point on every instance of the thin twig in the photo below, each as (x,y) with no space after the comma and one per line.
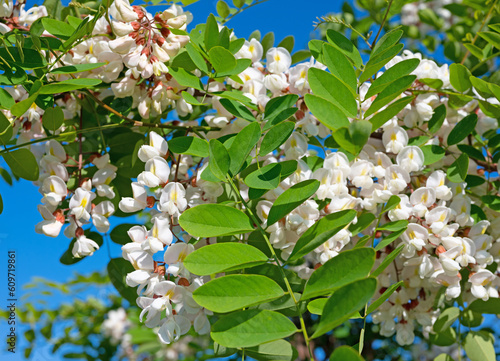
(383,23)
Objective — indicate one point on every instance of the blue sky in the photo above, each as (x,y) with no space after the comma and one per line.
(38,255)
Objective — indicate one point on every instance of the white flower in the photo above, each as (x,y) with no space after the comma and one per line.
(278,60)
(100,215)
(122,11)
(54,190)
(174,256)
(137,203)
(157,147)
(172,328)
(395,139)
(84,247)
(156,173)
(250,50)
(173,199)
(81,204)
(51,225)
(411,159)
(481,285)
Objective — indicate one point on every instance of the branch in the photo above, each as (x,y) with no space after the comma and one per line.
(145,124)
(383,23)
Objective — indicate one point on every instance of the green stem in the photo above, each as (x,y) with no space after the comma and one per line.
(280,266)
(241,10)
(383,23)
(56,136)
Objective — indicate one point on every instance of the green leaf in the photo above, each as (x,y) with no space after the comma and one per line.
(381,117)
(291,199)
(234,292)
(492,306)
(345,353)
(190,99)
(251,328)
(326,112)
(491,37)
(444,338)
(222,60)
(327,86)
(343,303)
(76,68)
(363,222)
(275,137)
(389,239)
(267,177)
(474,50)
(343,44)
(320,232)
(117,272)
(300,55)
(287,43)
(471,151)
(385,42)
(394,226)
(437,119)
(432,153)
(185,78)
(267,43)
(279,109)
(462,129)
(119,234)
(459,77)
(339,271)
(392,203)
(222,257)
(377,61)
(392,74)
(222,9)
(446,319)
(69,85)
(189,145)
(387,293)
(340,66)
(354,138)
(198,59)
(479,346)
(53,118)
(23,58)
(6,100)
(458,169)
(316,306)
(279,350)
(5,129)
(237,109)
(22,107)
(22,163)
(391,92)
(387,261)
(219,159)
(242,145)
(211,33)
(213,220)
(443,357)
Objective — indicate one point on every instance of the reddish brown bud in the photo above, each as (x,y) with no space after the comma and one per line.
(79,232)
(165,32)
(317,265)
(151,201)
(183,282)
(135,25)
